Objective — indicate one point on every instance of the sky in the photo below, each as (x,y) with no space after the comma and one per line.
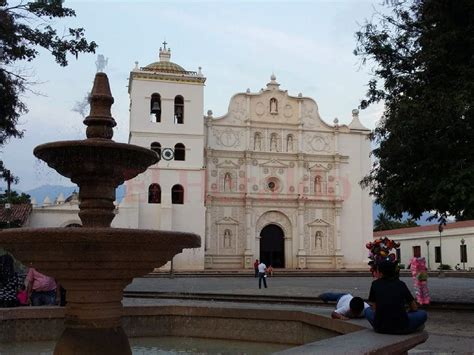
(308,45)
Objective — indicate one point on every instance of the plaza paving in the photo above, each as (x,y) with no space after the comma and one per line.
(441,289)
(450,332)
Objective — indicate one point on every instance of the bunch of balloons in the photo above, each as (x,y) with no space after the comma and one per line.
(381,249)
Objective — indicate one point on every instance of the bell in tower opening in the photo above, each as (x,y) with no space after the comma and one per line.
(155,108)
(179,109)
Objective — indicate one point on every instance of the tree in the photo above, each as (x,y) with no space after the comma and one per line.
(14,198)
(384,222)
(25,26)
(424,73)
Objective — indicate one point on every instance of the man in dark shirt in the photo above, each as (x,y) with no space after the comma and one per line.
(388,296)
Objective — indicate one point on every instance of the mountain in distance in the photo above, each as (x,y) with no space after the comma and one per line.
(423,221)
(53,191)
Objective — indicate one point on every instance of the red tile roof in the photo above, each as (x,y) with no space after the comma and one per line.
(17,214)
(429,228)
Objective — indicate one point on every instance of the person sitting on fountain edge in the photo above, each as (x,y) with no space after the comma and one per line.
(347,305)
(388,296)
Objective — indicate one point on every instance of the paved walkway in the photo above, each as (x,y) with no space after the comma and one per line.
(441,289)
(450,332)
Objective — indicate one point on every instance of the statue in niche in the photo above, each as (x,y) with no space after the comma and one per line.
(273,143)
(227,238)
(317,185)
(227,182)
(257,142)
(289,143)
(273,106)
(319,240)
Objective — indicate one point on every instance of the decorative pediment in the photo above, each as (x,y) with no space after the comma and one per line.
(228,164)
(274,164)
(227,221)
(319,223)
(320,167)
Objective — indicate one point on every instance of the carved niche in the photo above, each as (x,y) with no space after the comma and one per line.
(320,237)
(227,236)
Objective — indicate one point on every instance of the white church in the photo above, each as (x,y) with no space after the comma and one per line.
(269,180)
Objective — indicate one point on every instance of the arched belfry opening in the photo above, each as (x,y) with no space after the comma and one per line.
(272,246)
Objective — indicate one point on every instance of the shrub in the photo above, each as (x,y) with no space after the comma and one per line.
(445,267)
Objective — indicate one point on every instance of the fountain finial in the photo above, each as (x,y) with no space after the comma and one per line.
(100,121)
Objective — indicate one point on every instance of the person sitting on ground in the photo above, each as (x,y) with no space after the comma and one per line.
(9,282)
(41,289)
(388,296)
(347,305)
(270,270)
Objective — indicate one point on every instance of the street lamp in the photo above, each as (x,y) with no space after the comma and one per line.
(442,223)
(463,254)
(428,253)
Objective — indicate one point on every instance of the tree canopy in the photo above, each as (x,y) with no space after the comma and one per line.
(423,57)
(384,222)
(26,26)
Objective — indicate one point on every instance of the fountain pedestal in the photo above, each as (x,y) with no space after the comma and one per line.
(95,263)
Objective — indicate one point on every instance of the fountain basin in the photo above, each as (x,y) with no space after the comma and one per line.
(89,253)
(94,265)
(298,330)
(83,159)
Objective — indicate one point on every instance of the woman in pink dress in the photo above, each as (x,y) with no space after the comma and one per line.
(420,279)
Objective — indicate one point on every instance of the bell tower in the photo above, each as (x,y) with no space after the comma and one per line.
(166,115)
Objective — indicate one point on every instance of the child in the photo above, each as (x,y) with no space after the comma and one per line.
(22,296)
(388,296)
(347,305)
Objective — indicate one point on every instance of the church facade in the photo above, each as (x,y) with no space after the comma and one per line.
(269,180)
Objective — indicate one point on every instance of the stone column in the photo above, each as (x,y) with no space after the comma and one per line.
(338,239)
(301,250)
(249,247)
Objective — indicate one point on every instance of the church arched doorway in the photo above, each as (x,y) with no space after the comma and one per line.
(272,246)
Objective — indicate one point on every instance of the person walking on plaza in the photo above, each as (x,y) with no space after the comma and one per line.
(347,305)
(262,268)
(388,296)
(420,279)
(255,267)
(9,282)
(41,288)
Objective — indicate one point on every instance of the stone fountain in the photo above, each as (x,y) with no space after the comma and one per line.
(95,263)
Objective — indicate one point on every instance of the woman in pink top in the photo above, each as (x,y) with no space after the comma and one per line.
(41,288)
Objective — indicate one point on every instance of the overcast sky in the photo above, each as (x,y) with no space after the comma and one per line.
(238,44)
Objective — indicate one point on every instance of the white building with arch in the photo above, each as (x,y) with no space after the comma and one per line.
(268,180)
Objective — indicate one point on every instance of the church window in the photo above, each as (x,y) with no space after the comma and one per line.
(273,106)
(177,195)
(156,147)
(154,193)
(257,144)
(227,182)
(179,109)
(155,108)
(179,151)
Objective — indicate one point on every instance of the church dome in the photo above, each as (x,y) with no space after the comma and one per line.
(166,67)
